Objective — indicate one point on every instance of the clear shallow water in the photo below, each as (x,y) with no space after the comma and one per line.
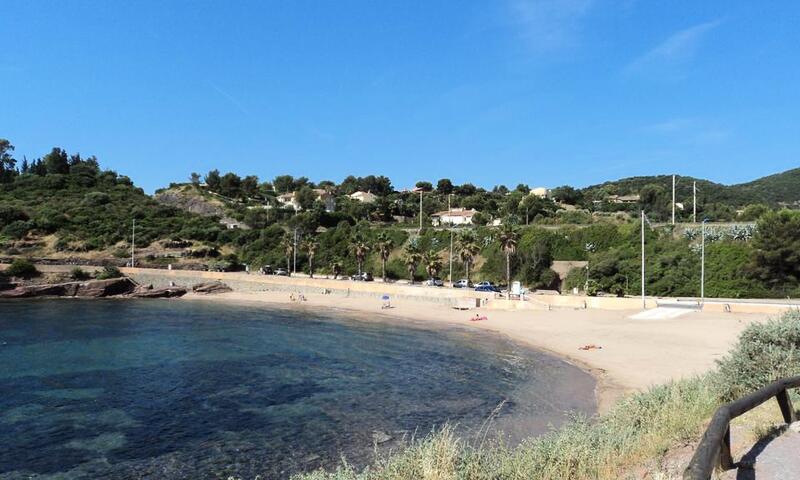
(170,389)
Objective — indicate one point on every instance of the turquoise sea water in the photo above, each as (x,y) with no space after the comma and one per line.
(172,389)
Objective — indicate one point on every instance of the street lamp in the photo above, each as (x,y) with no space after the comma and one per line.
(703,264)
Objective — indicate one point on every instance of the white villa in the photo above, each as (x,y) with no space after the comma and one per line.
(541,192)
(455,216)
(363,197)
(324,196)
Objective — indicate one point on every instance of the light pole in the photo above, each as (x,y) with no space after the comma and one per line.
(644,302)
(703,264)
(450,213)
(133,244)
(420,211)
(294,253)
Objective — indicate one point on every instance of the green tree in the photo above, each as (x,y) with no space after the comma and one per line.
(283,183)
(467,250)
(212,180)
(56,162)
(412,259)
(777,249)
(424,186)
(287,245)
(753,212)
(444,186)
(310,246)
(7,162)
(384,245)
(508,242)
(194,178)
(360,250)
(305,197)
(432,262)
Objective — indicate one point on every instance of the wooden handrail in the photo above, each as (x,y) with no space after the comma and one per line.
(715,446)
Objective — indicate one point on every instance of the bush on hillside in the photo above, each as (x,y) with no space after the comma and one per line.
(78,273)
(109,271)
(765,353)
(21,268)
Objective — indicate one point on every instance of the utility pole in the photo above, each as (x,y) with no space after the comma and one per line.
(703,265)
(420,211)
(450,213)
(133,245)
(644,302)
(673,199)
(694,202)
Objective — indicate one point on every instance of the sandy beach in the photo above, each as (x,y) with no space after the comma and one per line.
(634,354)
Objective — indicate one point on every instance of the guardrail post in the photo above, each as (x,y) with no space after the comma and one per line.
(786,406)
(725,458)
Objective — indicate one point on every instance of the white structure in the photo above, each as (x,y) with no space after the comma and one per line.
(324,196)
(456,216)
(363,197)
(541,192)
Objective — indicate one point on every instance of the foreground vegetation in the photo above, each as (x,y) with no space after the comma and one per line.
(641,428)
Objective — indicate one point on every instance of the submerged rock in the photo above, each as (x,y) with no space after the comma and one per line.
(211,287)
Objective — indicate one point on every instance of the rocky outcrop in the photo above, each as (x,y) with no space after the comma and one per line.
(208,288)
(91,289)
(106,288)
(163,292)
(190,201)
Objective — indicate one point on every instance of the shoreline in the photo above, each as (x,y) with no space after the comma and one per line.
(629,361)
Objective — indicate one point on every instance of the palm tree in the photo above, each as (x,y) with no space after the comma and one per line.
(336,268)
(311,246)
(288,248)
(411,260)
(384,246)
(508,242)
(360,250)
(433,264)
(468,249)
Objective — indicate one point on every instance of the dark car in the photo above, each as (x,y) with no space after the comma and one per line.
(364,277)
(487,288)
(267,270)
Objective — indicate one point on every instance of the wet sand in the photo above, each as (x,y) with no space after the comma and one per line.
(635,354)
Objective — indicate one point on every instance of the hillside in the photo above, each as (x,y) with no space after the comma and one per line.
(75,209)
(779,189)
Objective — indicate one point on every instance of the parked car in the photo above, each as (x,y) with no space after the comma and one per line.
(282,272)
(487,287)
(267,270)
(434,282)
(463,283)
(364,277)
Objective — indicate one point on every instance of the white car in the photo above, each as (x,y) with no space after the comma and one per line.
(463,283)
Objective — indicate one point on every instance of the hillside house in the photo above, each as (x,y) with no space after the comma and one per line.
(455,216)
(363,197)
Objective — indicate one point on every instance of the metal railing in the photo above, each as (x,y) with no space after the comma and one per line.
(715,446)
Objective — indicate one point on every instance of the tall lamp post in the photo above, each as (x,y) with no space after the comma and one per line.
(450,213)
(703,264)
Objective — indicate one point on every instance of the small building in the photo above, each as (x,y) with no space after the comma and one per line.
(232,224)
(289,200)
(363,197)
(541,192)
(624,199)
(455,216)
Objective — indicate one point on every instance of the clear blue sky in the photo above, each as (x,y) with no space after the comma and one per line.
(544,92)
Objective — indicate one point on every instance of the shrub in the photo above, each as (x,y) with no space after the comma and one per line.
(765,352)
(109,271)
(78,273)
(22,268)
